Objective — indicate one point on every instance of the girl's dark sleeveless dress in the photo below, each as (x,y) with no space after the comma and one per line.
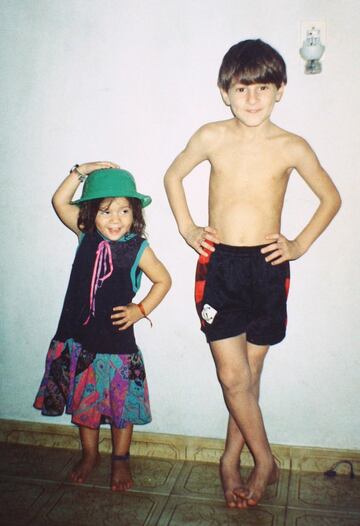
(93,371)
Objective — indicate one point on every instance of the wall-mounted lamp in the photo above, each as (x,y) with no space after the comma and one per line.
(312,51)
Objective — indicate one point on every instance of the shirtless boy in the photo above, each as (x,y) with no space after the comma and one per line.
(243,269)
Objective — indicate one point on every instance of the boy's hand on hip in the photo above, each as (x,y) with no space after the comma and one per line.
(281,249)
(125,316)
(201,239)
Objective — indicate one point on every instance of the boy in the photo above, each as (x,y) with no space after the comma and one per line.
(243,270)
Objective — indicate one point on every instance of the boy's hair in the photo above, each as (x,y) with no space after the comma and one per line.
(252,62)
(89,209)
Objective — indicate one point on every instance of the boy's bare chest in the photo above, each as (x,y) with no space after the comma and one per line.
(250,167)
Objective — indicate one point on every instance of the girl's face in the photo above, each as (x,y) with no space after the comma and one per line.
(114,218)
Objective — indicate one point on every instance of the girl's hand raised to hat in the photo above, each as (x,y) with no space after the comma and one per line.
(68,212)
(87,168)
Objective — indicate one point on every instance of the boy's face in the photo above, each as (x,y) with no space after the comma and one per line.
(252,105)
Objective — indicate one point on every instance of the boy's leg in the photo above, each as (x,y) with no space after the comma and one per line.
(121,478)
(234,439)
(90,454)
(230,460)
(234,444)
(230,465)
(235,376)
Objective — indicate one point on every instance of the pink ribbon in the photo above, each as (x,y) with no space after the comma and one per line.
(103,268)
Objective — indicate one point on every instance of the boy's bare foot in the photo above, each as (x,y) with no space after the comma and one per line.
(259,479)
(121,478)
(230,479)
(84,467)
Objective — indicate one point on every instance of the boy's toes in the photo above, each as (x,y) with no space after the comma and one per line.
(230,499)
(253,500)
(242,492)
(241,503)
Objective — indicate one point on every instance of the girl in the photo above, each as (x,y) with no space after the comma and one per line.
(94,369)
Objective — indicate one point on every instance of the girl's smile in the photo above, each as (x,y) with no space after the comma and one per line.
(114,218)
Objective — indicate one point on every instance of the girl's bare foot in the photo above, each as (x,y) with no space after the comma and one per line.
(260,477)
(84,467)
(231,479)
(121,478)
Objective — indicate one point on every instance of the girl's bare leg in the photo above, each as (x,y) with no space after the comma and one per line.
(121,478)
(90,454)
(237,380)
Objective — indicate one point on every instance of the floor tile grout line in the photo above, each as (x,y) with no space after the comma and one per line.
(22,478)
(66,484)
(318,509)
(289,483)
(149,521)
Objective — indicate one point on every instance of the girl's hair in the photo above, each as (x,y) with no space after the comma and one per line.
(89,210)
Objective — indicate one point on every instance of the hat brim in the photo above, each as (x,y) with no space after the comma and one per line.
(144,199)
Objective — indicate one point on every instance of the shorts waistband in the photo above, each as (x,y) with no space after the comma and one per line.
(241,250)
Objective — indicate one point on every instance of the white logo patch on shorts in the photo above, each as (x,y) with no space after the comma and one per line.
(208,313)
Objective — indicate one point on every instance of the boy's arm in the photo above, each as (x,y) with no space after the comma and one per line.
(157,273)
(194,153)
(309,168)
(62,198)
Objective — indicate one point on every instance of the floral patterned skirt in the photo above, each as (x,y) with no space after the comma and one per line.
(94,389)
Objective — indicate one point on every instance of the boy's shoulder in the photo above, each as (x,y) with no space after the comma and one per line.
(285,134)
(290,147)
(290,140)
(212,133)
(284,139)
(211,129)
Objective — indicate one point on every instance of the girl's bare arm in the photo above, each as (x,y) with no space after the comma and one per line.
(156,272)
(61,200)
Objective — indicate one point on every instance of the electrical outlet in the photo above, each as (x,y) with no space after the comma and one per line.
(307,25)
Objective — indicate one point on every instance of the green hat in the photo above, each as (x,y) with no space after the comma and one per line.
(111,182)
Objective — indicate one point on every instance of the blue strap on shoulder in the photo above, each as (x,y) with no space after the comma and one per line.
(136,276)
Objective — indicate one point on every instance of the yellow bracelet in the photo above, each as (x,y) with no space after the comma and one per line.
(142,310)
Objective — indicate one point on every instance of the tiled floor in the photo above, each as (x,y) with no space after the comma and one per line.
(35,491)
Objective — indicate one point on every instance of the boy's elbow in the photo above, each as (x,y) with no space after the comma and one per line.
(172,177)
(168,283)
(337,202)
(167,179)
(54,202)
(332,201)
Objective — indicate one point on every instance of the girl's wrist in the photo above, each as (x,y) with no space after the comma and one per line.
(80,175)
(143,312)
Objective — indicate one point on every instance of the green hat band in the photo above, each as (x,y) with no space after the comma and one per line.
(111,182)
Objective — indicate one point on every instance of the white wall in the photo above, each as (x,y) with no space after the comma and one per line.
(130,81)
